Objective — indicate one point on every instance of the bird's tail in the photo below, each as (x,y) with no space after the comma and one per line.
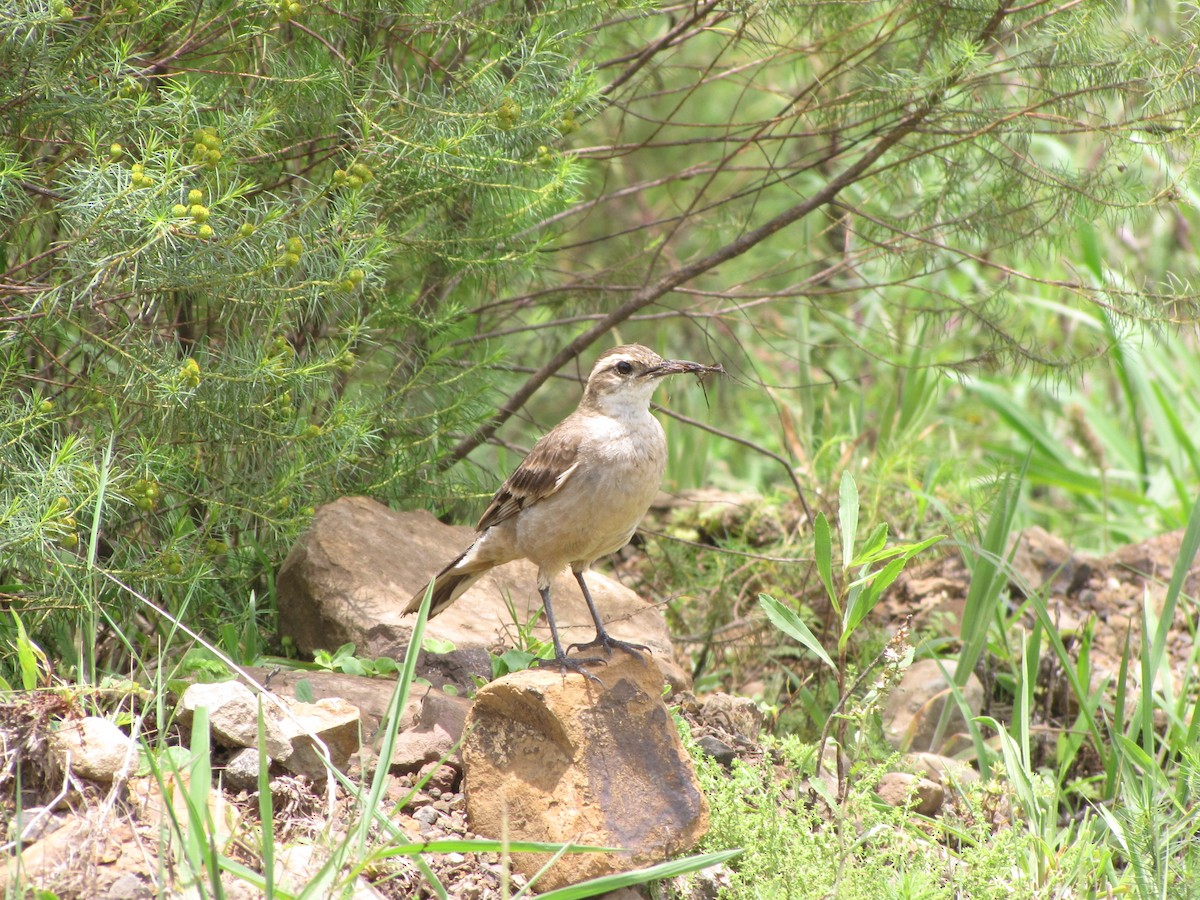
(448,585)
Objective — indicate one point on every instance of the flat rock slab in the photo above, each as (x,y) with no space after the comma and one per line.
(554,757)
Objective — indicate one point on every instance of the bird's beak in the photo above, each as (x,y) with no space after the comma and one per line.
(683,367)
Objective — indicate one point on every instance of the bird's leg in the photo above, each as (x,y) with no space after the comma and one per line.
(602,638)
(560,658)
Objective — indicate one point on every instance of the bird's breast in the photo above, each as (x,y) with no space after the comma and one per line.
(620,468)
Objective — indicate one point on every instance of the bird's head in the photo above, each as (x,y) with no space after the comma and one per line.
(624,378)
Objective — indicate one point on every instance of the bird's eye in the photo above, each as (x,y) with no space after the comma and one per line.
(624,367)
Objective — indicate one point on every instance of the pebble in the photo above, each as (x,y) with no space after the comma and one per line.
(717,749)
(426,814)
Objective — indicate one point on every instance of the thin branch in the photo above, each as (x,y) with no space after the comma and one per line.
(684,273)
(757,448)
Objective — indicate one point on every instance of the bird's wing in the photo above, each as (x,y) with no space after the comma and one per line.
(545,470)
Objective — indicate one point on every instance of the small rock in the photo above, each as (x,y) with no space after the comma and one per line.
(706,884)
(295,864)
(42,860)
(233,716)
(335,722)
(442,779)
(941,769)
(1040,559)
(241,772)
(739,716)
(426,814)
(34,823)
(95,749)
(910,717)
(717,749)
(900,789)
(130,886)
(435,734)
(371,695)
(554,757)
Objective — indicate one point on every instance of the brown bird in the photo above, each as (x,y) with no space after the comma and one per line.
(580,493)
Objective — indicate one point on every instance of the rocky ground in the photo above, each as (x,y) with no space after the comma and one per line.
(86,819)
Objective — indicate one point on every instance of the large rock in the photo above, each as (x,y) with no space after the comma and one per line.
(349,577)
(553,757)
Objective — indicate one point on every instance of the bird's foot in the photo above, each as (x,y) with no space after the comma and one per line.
(567,664)
(610,643)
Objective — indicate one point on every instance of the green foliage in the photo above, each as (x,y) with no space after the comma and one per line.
(852,590)
(867,849)
(236,249)
(343,660)
(1120,455)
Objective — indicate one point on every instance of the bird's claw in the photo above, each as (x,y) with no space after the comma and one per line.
(610,643)
(573,665)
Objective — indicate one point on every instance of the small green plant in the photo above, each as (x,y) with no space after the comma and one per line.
(853,590)
(32,663)
(526,649)
(343,660)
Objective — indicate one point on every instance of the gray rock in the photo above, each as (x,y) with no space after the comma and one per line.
(241,772)
(130,886)
(426,814)
(717,749)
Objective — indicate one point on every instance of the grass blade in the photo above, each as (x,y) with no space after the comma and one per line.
(640,876)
